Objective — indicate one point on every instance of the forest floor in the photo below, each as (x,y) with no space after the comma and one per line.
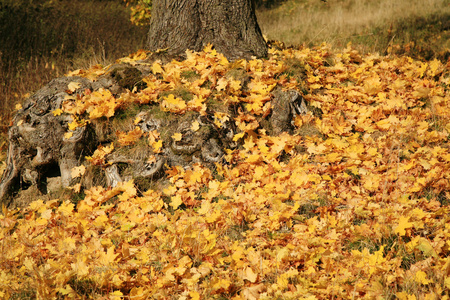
(355,204)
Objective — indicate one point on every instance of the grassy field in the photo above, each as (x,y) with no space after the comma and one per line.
(42,40)
(414,27)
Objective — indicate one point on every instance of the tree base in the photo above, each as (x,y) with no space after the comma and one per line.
(229,25)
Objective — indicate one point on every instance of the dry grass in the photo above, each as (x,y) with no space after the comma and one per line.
(373,26)
(41,40)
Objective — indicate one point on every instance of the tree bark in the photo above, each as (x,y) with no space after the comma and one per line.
(230,25)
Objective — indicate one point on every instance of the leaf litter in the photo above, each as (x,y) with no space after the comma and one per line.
(358,208)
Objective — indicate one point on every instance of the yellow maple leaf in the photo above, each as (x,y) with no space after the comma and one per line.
(76,188)
(69,243)
(116,295)
(223,60)
(192,177)
(261,87)
(57,112)
(127,226)
(250,275)
(422,69)
(238,136)
(421,277)
(221,284)
(383,124)
(405,296)
(447,282)
(138,293)
(129,138)
(35,205)
(235,85)
(313,149)
(176,201)
(371,182)
(177,136)
(254,292)
(220,118)
(76,72)
(426,247)
(173,104)
(197,104)
(41,221)
(100,103)
(298,121)
(282,254)
(282,282)
(168,276)
(134,57)
(194,295)
(108,149)
(334,157)
(221,84)
(259,172)
(246,122)
(205,208)
(68,135)
(80,268)
(137,120)
(73,86)
(372,85)
(96,112)
(195,126)
(256,103)
(66,208)
(29,263)
(78,171)
(253,158)
(238,253)
(157,145)
(255,65)
(403,224)
(67,290)
(153,136)
(100,221)
(156,68)
(108,257)
(436,68)
(98,158)
(73,125)
(213,217)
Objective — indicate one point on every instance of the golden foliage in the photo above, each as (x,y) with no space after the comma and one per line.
(360,211)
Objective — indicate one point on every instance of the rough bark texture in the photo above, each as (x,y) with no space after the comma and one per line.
(37,147)
(230,25)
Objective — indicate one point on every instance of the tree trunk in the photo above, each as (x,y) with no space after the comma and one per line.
(230,25)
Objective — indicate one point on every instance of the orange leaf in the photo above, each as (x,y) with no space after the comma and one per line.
(129,138)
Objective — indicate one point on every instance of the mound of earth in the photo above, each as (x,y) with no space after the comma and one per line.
(135,119)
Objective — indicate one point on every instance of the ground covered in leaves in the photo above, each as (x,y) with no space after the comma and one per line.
(354,204)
